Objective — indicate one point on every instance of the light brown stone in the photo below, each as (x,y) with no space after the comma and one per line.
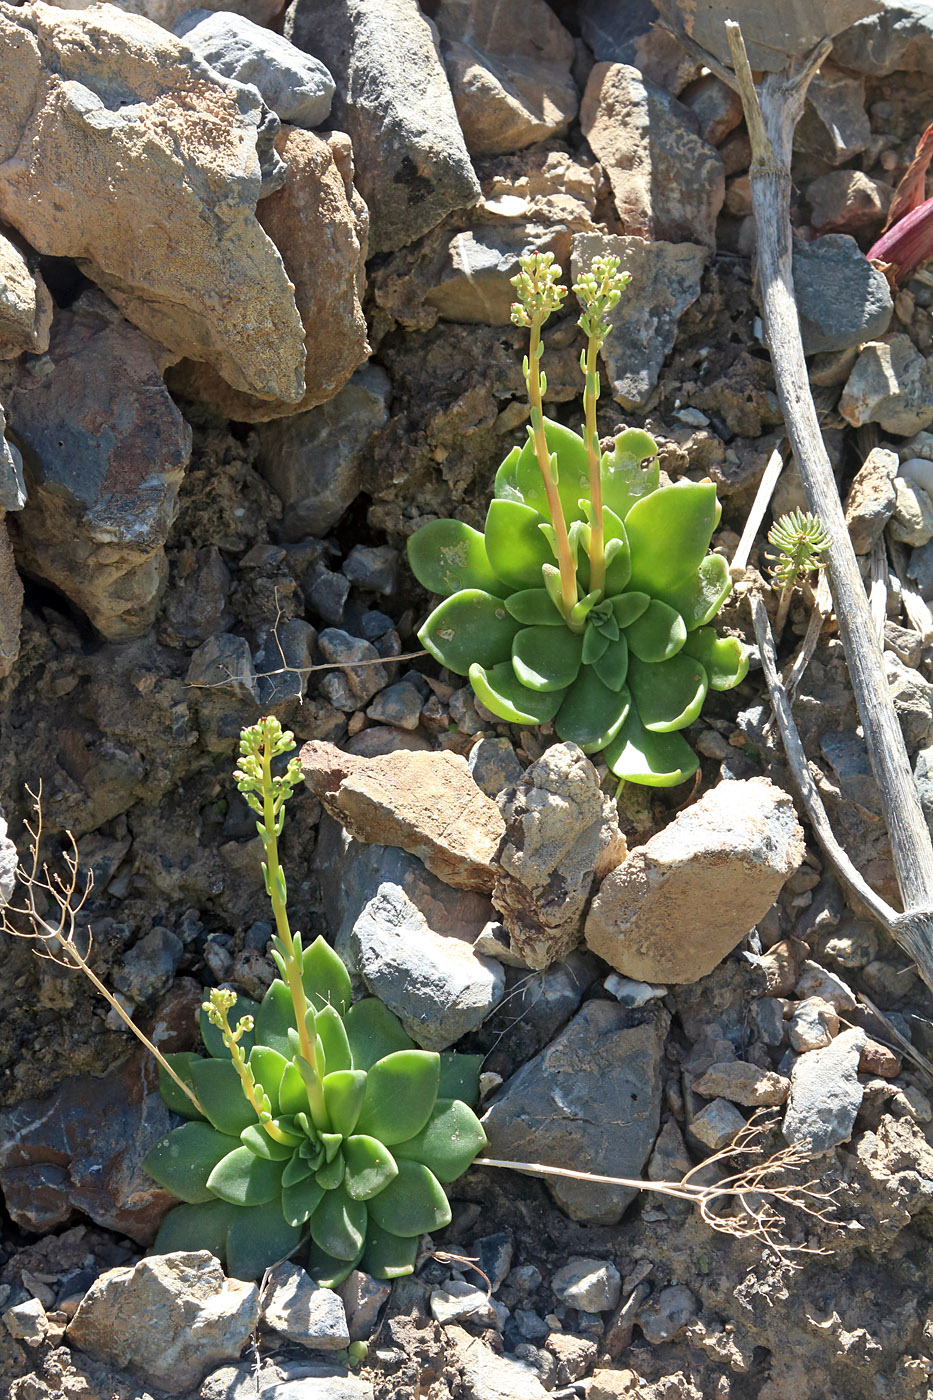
(25,305)
(744,1083)
(870,502)
(680,903)
(165,12)
(424,803)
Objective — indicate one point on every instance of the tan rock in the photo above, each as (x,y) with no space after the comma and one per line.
(165,12)
(773,32)
(879,1059)
(870,502)
(320,225)
(424,803)
(121,149)
(25,305)
(781,965)
(740,1082)
(667,183)
(680,903)
(561,834)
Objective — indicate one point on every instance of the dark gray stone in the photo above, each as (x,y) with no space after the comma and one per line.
(825,1093)
(283,662)
(149,968)
(398,704)
(352,687)
(494,765)
(195,606)
(326,593)
(224,661)
(373,567)
(841,298)
(611,29)
(835,125)
(900,37)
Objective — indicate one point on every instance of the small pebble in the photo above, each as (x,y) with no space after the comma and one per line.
(813,1025)
(815,981)
(631,993)
(878,1059)
(663,1316)
(459,1301)
(27,1322)
(592,1285)
(743,1083)
(717,1124)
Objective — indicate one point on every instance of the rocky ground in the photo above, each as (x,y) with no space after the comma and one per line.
(254,330)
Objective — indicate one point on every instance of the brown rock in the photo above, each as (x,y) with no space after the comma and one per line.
(740,1082)
(876,1058)
(773,32)
(561,834)
(120,148)
(165,12)
(870,502)
(666,182)
(847,201)
(781,966)
(680,903)
(25,305)
(425,803)
(320,226)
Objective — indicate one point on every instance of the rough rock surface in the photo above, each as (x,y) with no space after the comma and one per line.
(772,33)
(293,1306)
(825,1093)
(561,834)
(394,102)
(740,1082)
(590,1101)
(901,36)
(643,326)
(485,1375)
(105,451)
(426,803)
(25,305)
(109,113)
(680,903)
(11,604)
(891,384)
(847,201)
(169,1320)
(842,299)
(166,12)
(320,226)
(870,502)
(509,71)
(666,182)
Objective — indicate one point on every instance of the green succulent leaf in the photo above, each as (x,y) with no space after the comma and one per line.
(274,1019)
(244,1179)
(388,1256)
(196,1227)
(546,658)
(331,1174)
(374,1032)
(669,533)
(532,607)
(724,659)
(612,666)
(297,1169)
(293,1096)
(448,1142)
(652,759)
(659,633)
(413,1204)
(401,1091)
(181,1062)
(183,1160)
(699,598)
(256,1239)
(618,552)
(669,694)
(325,980)
(505,486)
(582,609)
(591,713)
(572,465)
(300,1199)
(268,1068)
(327,1271)
(218,1088)
(515,545)
(595,644)
(343,1095)
(333,1038)
(624,479)
(212,1037)
(553,586)
(261,1144)
(628,607)
(446,555)
(502,692)
(459,1077)
(370,1166)
(470,626)
(338,1225)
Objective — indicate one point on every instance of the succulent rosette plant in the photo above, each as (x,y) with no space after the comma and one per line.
(310,1116)
(587,599)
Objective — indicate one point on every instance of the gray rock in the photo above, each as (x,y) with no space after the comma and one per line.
(665,281)
(314,461)
(891,384)
(848,756)
(825,1094)
(591,1284)
(912,520)
(767,1018)
(835,125)
(283,662)
(318,1381)
(487,1376)
(772,33)
(12,485)
(168,1320)
(297,87)
(398,704)
(352,687)
(561,834)
(871,498)
(611,29)
(148,969)
(438,986)
(717,1124)
(9,860)
(899,37)
(327,594)
(842,300)
(813,1025)
(394,102)
(105,450)
(631,993)
(536,1008)
(27,1322)
(195,606)
(294,1307)
(363,1298)
(816,981)
(25,305)
(604,1068)
(494,765)
(373,567)
(913,701)
(224,661)
(459,1301)
(664,1314)
(740,1082)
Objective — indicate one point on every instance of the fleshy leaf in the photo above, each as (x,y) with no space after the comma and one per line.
(505,487)
(374,1032)
(183,1160)
(582,609)
(245,1179)
(211,1035)
(515,545)
(532,607)
(181,1062)
(470,626)
(331,1174)
(591,713)
(293,1096)
(612,667)
(261,1144)
(338,1226)
(370,1166)
(446,555)
(401,1090)
(257,1239)
(628,607)
(668,694)
(413,1204)
(503,693)
(460,1077)
(572,466)
(669,533)
(448,1142)
(268,1067)
(274,1018)
(333,1037)
(546,658)
(343,1095)
(324,977)
(724,659)
(298,1169)
(624,479)
(217,1085)
(193,1227)
(300,1199)
(388,1256)
(595,644)
(327,1271)
(619,558)
(699,598)
(659,633)
(651,759)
